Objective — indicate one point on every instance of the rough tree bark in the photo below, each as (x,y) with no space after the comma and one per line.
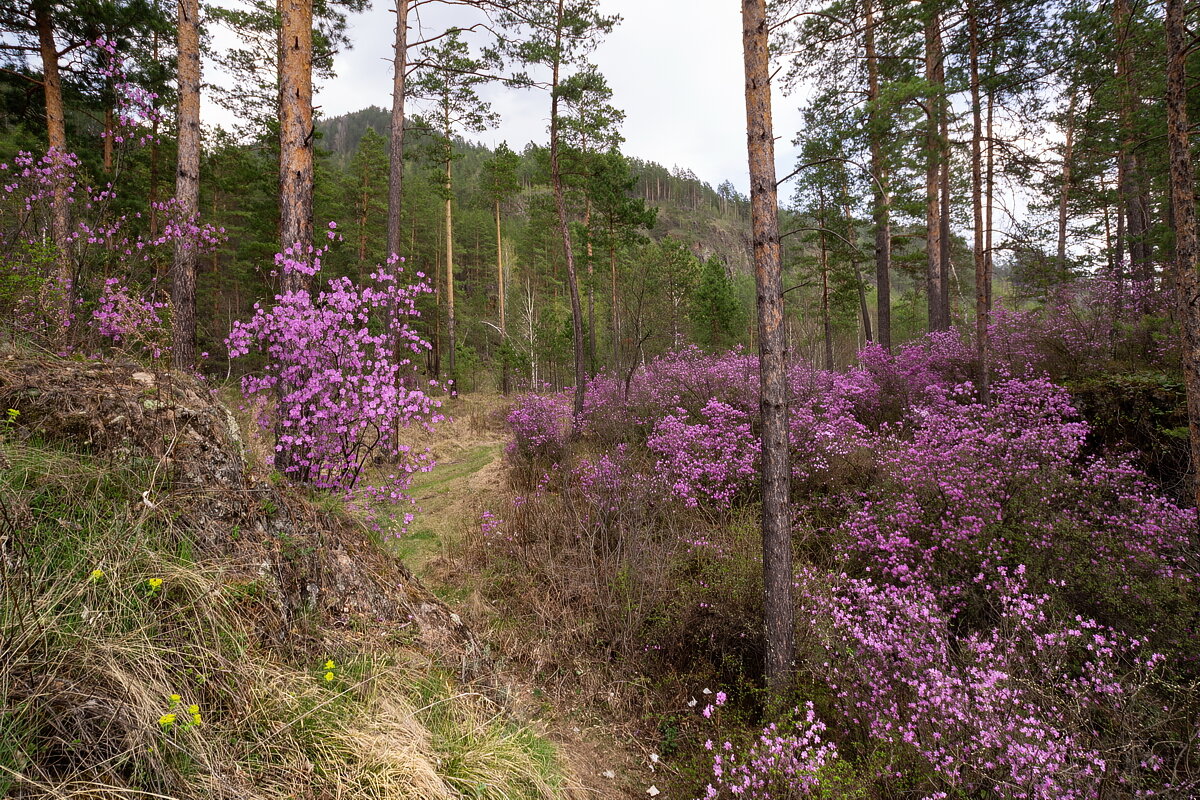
(981,281)
(1183,202)
(859,282)
(933,225)
(779,622)
(883,201)
(1128,166)
(56,137)
(1064,190)
(187,186)
(296,133)
(396,139)
(450,320)
(560,207)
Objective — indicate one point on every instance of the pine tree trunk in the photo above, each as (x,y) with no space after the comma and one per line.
(106,158)
(396,137)
(187,186)
(981,282)
(989,183)
(56,135)
(451,343)
(779,622)
(826,323)
(500,297)
(591,294)
(560,208)
(154,146)
(858,278)
(947,264)
(1128,183)
(296,135)
(1183,203)
(933,226)
(612,280)
(883,200)
(1064,190)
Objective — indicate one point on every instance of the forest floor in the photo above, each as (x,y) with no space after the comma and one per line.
(603,757)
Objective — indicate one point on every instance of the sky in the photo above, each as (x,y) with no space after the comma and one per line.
(675,68)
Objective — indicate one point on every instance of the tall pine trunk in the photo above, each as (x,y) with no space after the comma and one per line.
(779,612)
(591,294)
(564,229)
(451,343)
(296,135)
(1064,189)
(982,290)
(944,179)
(56,136)
(187,186)
(883,201)
(1183,203)
(1128,166)
(615,344)
(933,226)
(859,281)
(396,137)
(500,297)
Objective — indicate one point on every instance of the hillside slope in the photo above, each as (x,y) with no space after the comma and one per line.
(175,624)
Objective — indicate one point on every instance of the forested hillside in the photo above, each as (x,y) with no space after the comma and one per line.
(348,456)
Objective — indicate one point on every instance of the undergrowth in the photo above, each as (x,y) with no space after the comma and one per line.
(133,669)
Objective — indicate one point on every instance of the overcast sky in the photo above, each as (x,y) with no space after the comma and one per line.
(675,67)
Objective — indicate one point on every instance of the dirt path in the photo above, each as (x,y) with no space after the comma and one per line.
(467,479)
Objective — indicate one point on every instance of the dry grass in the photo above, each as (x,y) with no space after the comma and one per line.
(92,660)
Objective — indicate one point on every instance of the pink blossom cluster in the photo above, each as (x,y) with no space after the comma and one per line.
(1010,708)
(1000,609)
(130,318)
(715,458)
(31,188)
(1085,326)
(541,425)
(135,105)
(339,383)
(784,761)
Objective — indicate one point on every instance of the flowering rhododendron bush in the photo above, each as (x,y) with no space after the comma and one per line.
(130,311)
(985,605)
(338,379)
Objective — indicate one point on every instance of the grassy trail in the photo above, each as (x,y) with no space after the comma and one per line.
(467,479)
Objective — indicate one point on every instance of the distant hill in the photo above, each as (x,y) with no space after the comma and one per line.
(711,220)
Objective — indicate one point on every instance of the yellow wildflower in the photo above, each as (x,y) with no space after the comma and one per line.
(329,664)
(166,720)
(193,709)
(175,699)
(97,574)
(328,676)
(195,719)
(155,583)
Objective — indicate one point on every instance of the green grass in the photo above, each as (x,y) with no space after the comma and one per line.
(442,495)
(91,660)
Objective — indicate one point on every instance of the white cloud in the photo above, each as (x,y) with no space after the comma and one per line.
(675,67)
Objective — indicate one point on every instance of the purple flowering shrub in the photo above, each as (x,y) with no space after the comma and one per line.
(338,380)
(131,319)
(541,426)
(782,761)
(1089,325)
(715,458)
(1012,709)
(988,605)
(100,241)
